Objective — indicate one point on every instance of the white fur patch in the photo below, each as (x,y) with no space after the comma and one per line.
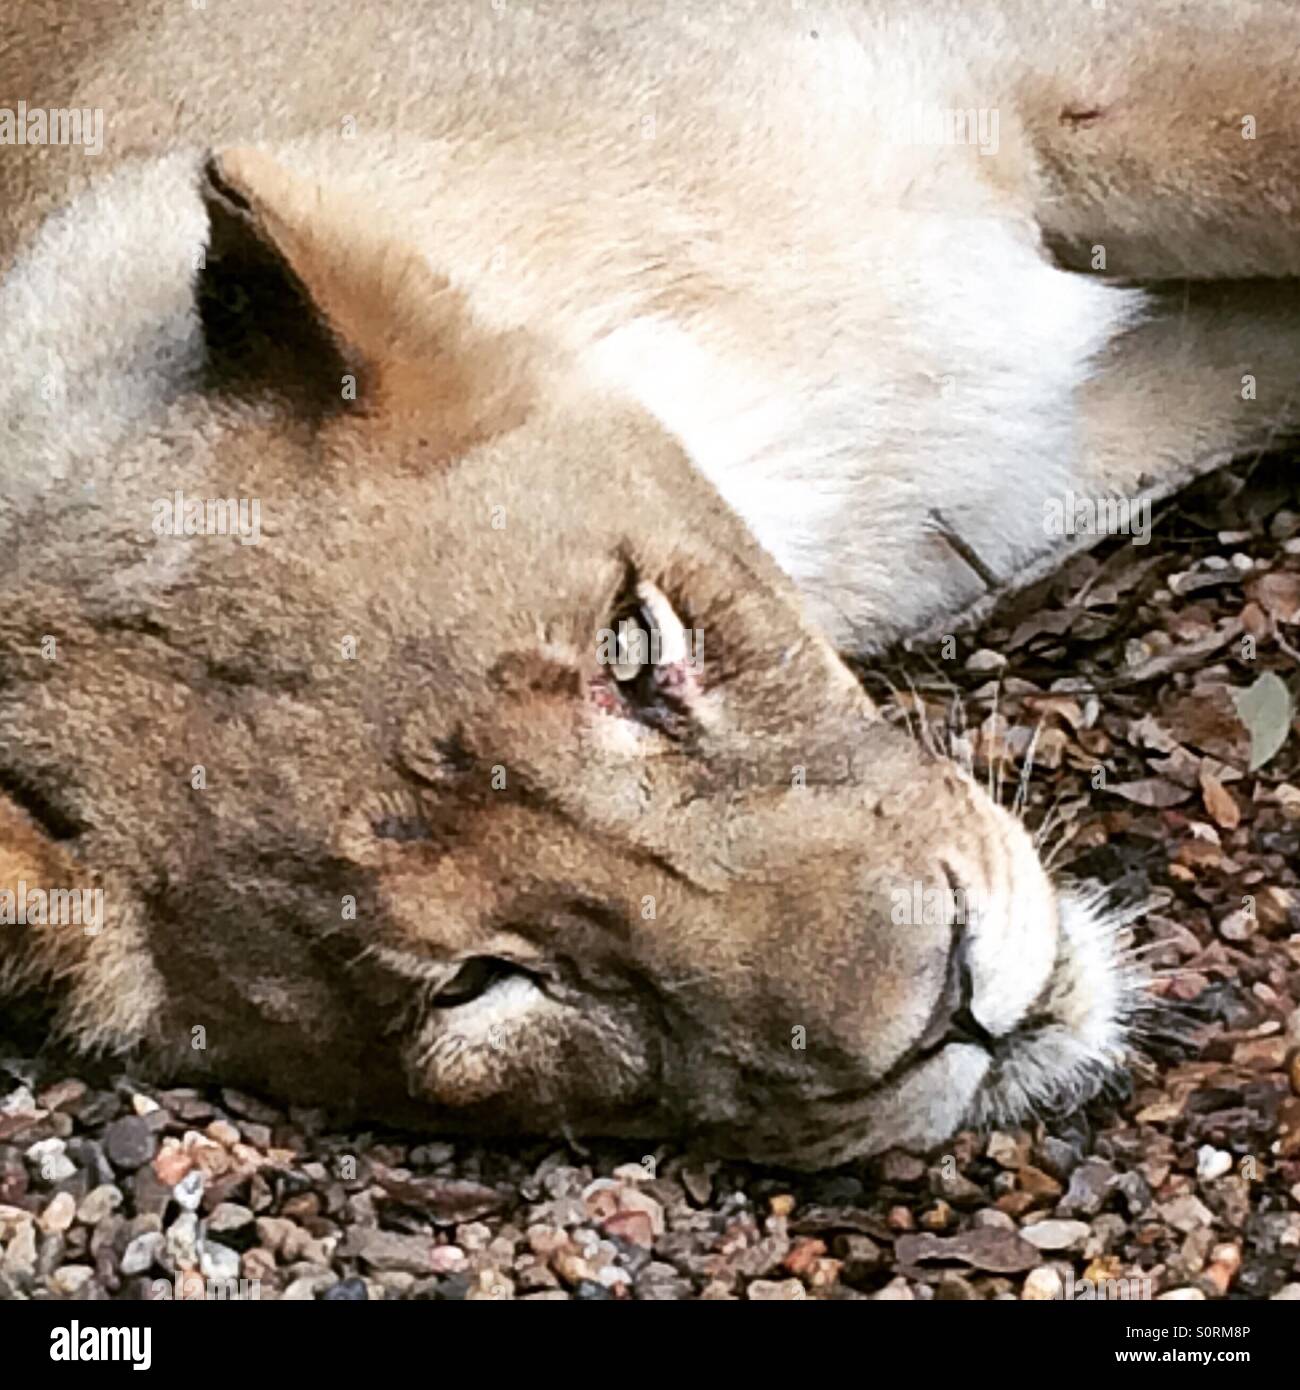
(835,451)
(97,320)
(1092,995)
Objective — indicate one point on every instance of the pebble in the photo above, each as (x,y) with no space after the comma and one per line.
(1186,1213)
(71,1280)
(1037,1183)
(572,1267)
(388,1250)
(182,1240)
(258,1265)
(899,1219)
(859,1255)
(992,1217)
(142,1253)
(188,1193)
(20,1253)
(903,1168)
(1212,1163)
(130,1142)
(305,1289)
(614,1277)
(100,1202)
(19,1101)
(473,1235)
(1042,1284)
(493,1286)
(1056,1235)
(172,1163)
(59,1215)
(50,1160)
(87,1154)
(1089,1185)
(149,1196)
(217,1261)
(448,1259)
(229,1216)
(776,1290)
(659,1282)
(60,1094)
(803,1254)
(1004,1149)
(1058,1156)
(346,1291)
(957,1189)
(223,1132)
(1136,1191)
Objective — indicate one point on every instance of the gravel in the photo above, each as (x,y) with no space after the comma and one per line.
(1184,1185)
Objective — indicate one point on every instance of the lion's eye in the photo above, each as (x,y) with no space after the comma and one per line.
(635,641)
(474,978)
(646,646)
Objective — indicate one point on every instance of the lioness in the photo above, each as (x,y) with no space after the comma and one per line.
(446,448)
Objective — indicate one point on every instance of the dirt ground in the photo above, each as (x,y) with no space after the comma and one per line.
(1155,686)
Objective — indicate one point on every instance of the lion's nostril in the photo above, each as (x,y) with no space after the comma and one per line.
(963,1026)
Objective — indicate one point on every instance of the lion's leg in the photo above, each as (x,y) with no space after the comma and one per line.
(1211,374)
(1167,136)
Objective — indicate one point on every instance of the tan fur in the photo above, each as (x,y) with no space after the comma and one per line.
(641,303)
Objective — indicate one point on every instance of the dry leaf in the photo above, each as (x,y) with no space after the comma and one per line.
(1151,791)
(1279,595)
(1220,802)
(1208,719)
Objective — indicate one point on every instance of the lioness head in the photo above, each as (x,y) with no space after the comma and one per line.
(491,777)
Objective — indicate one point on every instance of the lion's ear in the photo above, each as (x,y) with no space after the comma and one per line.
(376,329)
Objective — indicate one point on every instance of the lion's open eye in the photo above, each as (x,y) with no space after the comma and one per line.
(635,640)
(646,647)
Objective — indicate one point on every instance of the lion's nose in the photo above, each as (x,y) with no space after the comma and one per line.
(1011,938)
(955,1019)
